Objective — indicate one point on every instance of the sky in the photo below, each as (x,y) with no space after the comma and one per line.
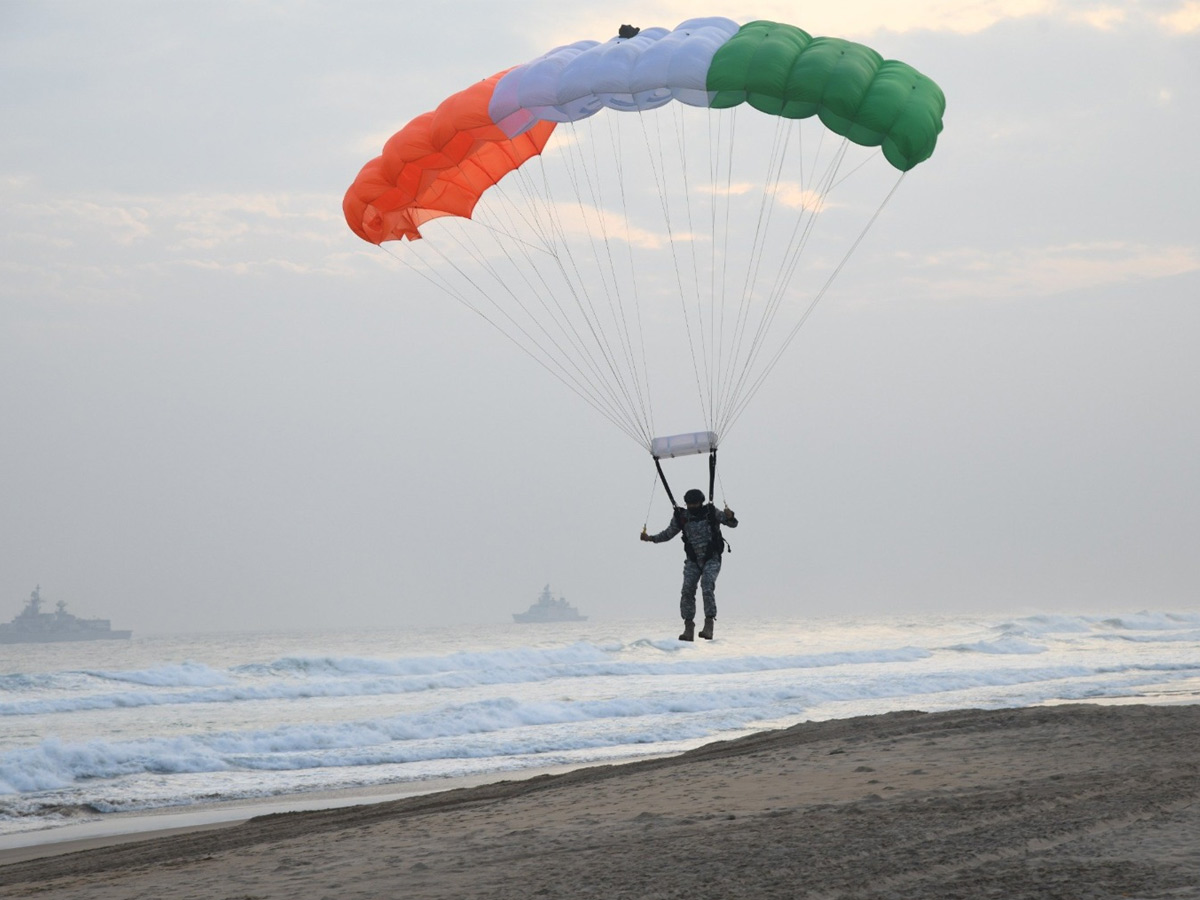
(221,410)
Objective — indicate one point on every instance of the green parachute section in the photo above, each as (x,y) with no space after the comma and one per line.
(782,70)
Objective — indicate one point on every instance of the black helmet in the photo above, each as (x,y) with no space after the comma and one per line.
(693,496)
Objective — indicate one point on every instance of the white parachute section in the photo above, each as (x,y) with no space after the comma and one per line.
(630,75)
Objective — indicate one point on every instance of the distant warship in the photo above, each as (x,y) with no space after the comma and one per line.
(32,626)
(547,609)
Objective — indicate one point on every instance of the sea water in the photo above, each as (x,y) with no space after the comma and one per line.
(98,730)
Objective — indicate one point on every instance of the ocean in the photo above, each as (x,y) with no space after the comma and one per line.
(92,733)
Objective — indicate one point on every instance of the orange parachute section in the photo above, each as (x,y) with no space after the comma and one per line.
(439,164)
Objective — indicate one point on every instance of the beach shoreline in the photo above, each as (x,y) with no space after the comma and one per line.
(128,827)
(1067,800)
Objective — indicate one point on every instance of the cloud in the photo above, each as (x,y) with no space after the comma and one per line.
(1183,20)
(788,193)
(1180,17)
(61,221)
(865,18)
(584,222)
(87,245)
(1040,271)
(856,20)
(792,195)
(1104,18)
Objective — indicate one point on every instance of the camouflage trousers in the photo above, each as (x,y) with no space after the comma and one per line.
(706,578)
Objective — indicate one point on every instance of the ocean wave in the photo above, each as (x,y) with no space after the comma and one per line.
(19,681)
(1152,637)
(1006,644)
(311,677)
(1150,621)
(1045,625)
(187,674)
(497,727)
(581,659)
(1050,625)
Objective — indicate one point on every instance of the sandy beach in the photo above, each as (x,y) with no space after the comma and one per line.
(1072,801)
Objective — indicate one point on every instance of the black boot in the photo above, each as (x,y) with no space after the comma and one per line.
(706,631)
(689,629)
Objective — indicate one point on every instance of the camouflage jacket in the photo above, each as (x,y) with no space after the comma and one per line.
(700,527)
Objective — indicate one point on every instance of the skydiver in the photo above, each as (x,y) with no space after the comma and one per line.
(701,525)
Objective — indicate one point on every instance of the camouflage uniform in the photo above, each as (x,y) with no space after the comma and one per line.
(699,535)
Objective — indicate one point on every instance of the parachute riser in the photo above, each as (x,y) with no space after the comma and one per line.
(712,477)
(666,486)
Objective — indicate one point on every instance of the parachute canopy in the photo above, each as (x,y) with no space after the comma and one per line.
(442,162)
(574,239)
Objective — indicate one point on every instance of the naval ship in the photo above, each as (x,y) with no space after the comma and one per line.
(32,626)
(548,609)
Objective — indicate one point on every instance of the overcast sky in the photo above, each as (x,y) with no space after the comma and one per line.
(219,409)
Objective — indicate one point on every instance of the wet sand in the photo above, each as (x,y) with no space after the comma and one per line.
(1065,801)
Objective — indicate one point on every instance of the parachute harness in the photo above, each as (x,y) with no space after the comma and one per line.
(677,513)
